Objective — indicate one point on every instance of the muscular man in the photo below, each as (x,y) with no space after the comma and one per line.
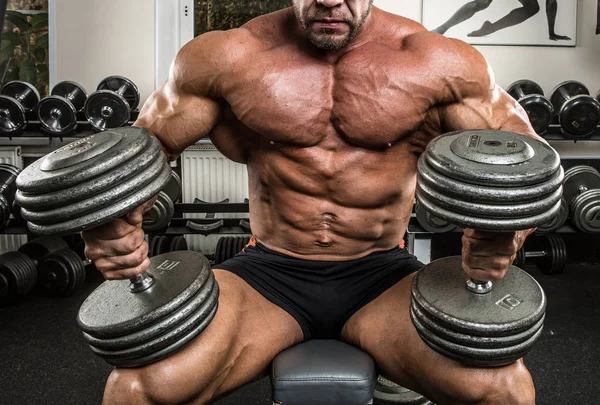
(329,103)
(517,16)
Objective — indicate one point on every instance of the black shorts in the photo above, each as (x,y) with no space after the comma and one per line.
(320,295)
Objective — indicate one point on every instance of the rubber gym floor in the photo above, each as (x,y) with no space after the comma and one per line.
(44,359)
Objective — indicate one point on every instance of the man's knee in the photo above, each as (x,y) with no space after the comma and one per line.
(148,385)
(482,4)
(508,385)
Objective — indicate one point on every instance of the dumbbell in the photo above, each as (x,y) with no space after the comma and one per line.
(549,254)
(95,180)
(531,97)
(229,246)
(430,222)
(389,393)
(18,270)
(467,178)
(111,104)
(160,214)
(578,112)
(582,193)
(60,271)
(57,113)
(8,188)
(17,99)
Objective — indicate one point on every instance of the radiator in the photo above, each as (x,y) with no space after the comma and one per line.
(208,175)
(11,155)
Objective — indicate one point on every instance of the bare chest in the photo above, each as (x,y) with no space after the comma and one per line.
(369,97)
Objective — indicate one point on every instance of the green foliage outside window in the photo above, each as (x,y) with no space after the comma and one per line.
(226,14)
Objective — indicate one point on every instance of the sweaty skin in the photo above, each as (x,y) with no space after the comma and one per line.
(330,129)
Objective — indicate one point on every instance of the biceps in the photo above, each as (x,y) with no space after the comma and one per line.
(495,111)
(178,120)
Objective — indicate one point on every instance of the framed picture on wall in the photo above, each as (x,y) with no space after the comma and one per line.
(504,22)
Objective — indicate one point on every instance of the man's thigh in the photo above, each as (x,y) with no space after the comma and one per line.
(383,328)
(237,347)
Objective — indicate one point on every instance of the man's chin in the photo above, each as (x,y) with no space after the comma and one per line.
(330,42)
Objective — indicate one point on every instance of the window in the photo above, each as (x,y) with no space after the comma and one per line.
(225,14)
(24,47)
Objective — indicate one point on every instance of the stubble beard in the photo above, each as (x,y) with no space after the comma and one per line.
(326,38)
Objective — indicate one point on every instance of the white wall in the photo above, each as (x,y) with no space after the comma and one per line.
(546,65)
(99,38)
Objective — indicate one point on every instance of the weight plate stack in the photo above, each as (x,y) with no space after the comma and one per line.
(555,260)
(91,181)
(582,192)
(61,272)
(129,329)
(111,104)
(389,393)
(490,329)
(494,181)
(18,276)
(513,181)
(160,214)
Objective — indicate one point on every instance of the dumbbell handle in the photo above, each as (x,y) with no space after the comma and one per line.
(520,93)
(141,282)
(124,87)
(539,253)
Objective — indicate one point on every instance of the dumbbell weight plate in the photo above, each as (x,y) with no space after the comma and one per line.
(83,159)
(12,117)
(219,251)
(160,214)
(174,310)
(527,86)
(18,275)
(106,110)
(439,290)
(586,211)
(57,115)
(178,243)
(173,187)
(46,216)
(577,178)
(96,185)
(162,246)
(25,93)
(430,222)
(73,92)
(579,115)
(555,260)
(389,393)
(61,272)
(557,222)
(39,247)
(539,109)
(114,83)
(152,246)
(492,158)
